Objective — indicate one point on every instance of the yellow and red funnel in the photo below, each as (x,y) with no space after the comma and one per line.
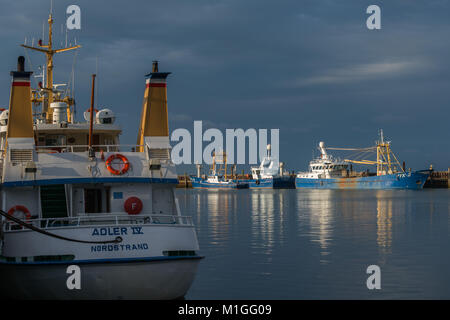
(20,120)
(154,126)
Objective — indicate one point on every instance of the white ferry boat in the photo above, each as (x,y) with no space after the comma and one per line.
(70,194)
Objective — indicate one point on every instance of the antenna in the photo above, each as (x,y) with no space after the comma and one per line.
(96,87)
(49,51)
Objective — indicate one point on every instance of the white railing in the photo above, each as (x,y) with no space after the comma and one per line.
(102,220)
(85,147)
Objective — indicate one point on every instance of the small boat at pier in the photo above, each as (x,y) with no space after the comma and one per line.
(270,174)
(218,177)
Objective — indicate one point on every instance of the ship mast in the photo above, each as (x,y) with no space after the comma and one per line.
(387,162)
(52,94)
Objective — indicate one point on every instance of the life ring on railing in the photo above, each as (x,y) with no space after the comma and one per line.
(133,205)
(21,209)
(126,164)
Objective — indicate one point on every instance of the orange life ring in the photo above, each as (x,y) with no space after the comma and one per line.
(22,209)
(115,171)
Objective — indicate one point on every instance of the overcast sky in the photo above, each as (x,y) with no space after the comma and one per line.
(310,68)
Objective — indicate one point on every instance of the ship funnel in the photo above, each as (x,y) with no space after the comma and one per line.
(154,126)
(21,64)
(20,133)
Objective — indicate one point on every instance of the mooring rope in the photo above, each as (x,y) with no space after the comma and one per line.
(31,227)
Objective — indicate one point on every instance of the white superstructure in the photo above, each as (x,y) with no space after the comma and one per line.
(325,166)
(268,168)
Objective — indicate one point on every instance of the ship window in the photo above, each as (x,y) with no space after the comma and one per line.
(55,140)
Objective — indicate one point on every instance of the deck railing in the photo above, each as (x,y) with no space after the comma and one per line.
(102,220)
(83,148)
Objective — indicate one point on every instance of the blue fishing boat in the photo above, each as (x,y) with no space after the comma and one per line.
(218,178)
(327,172)
(270,174)
(218,182)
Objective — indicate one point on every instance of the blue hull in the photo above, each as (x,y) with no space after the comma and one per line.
(414,180)
(235,184)
(260,183)
(275,183)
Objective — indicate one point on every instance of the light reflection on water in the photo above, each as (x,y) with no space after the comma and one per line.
(317,244)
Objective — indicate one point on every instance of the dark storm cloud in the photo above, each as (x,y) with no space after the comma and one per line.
(310,68)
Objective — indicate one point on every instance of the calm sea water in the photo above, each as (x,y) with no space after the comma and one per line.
(317,244)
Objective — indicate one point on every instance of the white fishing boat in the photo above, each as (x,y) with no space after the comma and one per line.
(71,194)
(269,174)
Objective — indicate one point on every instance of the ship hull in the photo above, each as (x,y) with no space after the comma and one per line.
(414,180)
(138,279)
(275,183)
(155,259)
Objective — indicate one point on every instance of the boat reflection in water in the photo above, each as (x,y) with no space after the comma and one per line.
(384,223)
(318,243)
(317,208)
